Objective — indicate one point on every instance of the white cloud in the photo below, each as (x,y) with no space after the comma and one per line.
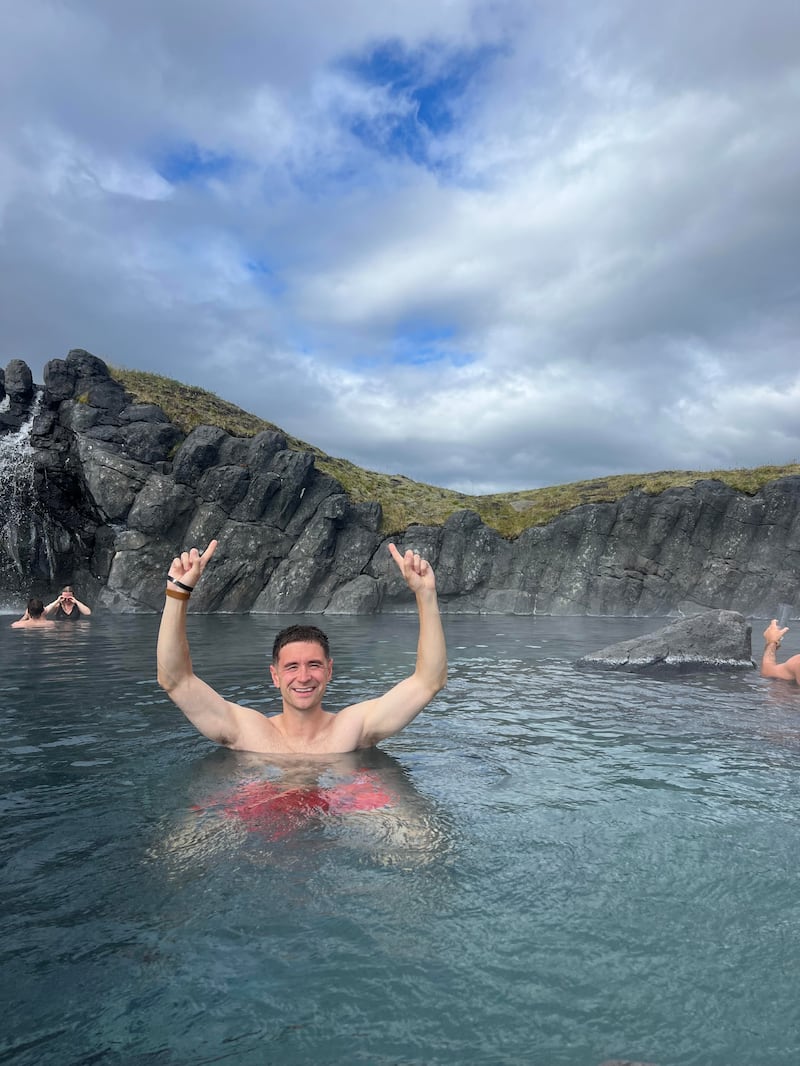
(584,271)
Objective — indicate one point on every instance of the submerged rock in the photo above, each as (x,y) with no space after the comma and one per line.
(712,640)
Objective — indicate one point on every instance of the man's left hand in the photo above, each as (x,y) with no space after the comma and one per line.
(417,572)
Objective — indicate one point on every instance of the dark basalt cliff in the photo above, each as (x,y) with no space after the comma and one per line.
(102,492)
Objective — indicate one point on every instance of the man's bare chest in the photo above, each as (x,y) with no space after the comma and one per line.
(335,735)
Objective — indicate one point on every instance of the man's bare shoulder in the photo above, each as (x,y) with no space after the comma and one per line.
(350,722)
(256,731)
(792,669)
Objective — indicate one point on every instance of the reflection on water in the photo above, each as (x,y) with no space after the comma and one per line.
(549,866)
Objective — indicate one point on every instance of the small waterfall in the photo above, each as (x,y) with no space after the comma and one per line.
(22,539)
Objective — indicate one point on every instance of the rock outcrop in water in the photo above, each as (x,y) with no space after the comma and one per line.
(105,491)
(718,640)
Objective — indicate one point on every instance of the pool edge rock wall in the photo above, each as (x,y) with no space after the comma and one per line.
(116,490)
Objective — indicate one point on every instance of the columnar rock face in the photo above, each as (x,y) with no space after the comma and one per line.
(104,491)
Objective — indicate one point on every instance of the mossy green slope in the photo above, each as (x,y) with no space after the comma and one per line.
(405,502)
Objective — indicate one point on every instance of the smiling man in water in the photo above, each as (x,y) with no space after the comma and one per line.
(301,669)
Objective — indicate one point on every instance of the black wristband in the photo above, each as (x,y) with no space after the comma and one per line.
(180,584)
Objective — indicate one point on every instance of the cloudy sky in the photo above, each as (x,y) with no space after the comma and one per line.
(490,245)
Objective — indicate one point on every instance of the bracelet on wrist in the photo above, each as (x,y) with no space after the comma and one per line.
(179,584)
(177,595)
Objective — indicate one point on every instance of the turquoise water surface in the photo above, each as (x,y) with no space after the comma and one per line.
(551,867)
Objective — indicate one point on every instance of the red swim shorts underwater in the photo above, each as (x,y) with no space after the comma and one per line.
(267,807)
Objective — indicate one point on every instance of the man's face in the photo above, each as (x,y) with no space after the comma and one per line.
(67,599)
(302,674)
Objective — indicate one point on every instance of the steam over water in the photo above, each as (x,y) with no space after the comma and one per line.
(548,867)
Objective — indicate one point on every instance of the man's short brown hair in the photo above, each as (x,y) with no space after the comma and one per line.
(35,607)
(305,634)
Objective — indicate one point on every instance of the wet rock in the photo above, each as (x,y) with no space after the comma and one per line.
(16,396)
(713,640)
(359,596)
(59,381)
(149,442)
(19,381)
(197,454)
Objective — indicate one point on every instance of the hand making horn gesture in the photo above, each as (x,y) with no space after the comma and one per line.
(417,572)
(187,568)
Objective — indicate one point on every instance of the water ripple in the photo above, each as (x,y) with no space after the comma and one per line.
(576,867)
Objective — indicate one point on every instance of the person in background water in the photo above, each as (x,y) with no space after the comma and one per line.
(34,617)
(66,608)
(770,667)
(301,669)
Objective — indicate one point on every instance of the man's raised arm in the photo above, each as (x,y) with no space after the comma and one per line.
(387,715)
(770,667)
(206,709)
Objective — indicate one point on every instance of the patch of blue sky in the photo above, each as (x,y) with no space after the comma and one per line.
(189,163)
(319,183)
(424,344)
(399,136)
(266,275)
(428,86)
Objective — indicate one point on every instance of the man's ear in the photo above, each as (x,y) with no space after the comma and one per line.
(274,674)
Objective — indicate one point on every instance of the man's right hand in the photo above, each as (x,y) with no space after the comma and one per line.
(189,565)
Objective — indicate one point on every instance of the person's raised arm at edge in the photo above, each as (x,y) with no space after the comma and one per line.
(388,714)
(205,708)
(770,667)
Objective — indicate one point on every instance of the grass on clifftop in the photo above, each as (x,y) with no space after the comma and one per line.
(405,502)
